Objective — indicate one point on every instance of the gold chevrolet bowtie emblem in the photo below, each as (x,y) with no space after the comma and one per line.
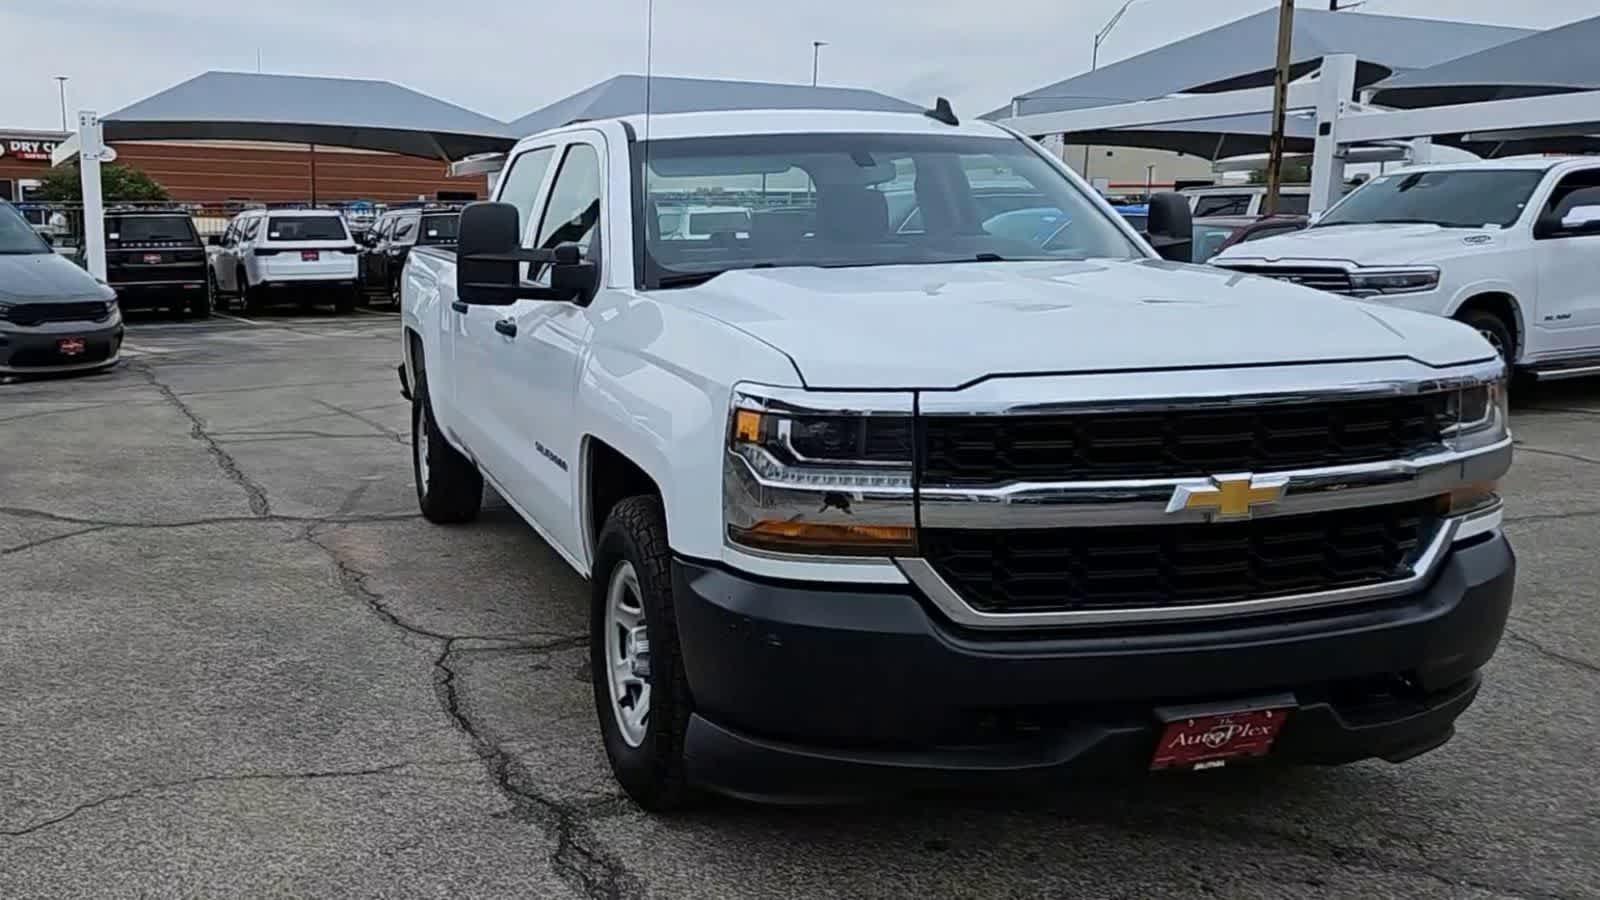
(1229,496)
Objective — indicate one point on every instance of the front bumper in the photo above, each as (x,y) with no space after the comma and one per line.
(34,350)
(810,693)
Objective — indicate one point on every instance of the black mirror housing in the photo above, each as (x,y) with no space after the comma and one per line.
(1171,227)
(214,240)
(486,270)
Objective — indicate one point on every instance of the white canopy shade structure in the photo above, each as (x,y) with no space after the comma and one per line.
(1561,60)
(342,112)
(626,95)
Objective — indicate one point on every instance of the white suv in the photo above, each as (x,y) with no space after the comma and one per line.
(266,251)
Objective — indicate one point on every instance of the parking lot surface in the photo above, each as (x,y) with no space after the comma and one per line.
(235,662)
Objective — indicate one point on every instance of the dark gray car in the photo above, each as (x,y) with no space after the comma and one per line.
(54,316)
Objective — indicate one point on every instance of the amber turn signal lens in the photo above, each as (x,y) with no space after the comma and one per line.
(747,425)
(815,537)
(1469,498)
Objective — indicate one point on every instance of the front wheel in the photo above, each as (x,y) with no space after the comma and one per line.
(640,693)
(449,486)
(1494,330)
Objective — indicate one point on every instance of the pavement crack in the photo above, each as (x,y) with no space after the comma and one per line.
(374,424)
(47,516)
(1557,655)
(1547,517)
(1539,451)
(98,802)
(578,858)
(230,467)
(29,545)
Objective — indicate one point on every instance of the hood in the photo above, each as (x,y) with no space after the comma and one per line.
(46,278)
(1369,245)
(942,326)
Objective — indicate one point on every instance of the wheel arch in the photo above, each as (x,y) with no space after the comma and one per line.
(607,476)
(1502,303)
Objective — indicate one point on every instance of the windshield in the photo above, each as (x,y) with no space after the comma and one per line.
(1208,239)
(439,229)
(843,200)
(151,229)
(306,228)
(16,235)
(1463,198)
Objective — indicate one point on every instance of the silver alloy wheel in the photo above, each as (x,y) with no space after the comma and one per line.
(1494,341)
(420,441)
(627,654)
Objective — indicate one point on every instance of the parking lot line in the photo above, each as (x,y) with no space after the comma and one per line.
(237,318)
(374,312)
(130,346)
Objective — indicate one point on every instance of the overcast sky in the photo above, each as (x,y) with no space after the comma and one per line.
(508,57)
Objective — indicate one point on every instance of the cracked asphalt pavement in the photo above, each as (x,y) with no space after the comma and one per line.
(235,662)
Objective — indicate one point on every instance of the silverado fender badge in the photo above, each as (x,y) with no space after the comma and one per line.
(1229,497)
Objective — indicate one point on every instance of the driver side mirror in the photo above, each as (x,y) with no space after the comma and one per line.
(1578,220)
(214,240)
(1171,227)
(489,254)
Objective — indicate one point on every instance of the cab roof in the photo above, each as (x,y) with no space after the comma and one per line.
(725,123)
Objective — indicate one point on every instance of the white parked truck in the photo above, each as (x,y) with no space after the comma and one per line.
(1511,247)
(866,509)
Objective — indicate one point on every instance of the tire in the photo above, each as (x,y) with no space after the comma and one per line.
(1494,329)
(449,486)
(201,306)
(646,758)
(252,298)
(219,300)
(345,301)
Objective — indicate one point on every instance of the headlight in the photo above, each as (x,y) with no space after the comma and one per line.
(111,306)
(1476,416)
(1370,282)
(819,474)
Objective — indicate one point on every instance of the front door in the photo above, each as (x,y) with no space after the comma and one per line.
(1567,254)
(477,349)
(536,371)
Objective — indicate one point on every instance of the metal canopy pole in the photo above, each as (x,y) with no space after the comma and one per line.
(1280,92)
(91,150)
(1337,83)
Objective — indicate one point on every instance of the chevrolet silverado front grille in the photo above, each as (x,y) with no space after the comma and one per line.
(975,450)
(1069,569)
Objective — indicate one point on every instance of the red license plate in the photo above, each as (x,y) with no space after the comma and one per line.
(1208,740)
(310,255)
(70,346)
(152,258)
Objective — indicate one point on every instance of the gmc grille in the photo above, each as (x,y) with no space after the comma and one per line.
(1068,569)
(974,450)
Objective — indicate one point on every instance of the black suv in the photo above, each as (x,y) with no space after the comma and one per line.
(155,259)
(385,247)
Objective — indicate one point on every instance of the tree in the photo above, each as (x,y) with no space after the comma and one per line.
(118,183)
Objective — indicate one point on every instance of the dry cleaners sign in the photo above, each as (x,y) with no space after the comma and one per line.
(19,148)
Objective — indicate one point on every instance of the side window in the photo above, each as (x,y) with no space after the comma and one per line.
(405,231)
(249,228)
(230,235)
(1292,204)
(1575,204)
(574,207)
(385,228)
(520,186)
(1222,205)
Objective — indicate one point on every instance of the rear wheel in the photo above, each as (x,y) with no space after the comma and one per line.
(449,486)
(200,307)
(345,300)
(219,300)
(640,692)
(252,297)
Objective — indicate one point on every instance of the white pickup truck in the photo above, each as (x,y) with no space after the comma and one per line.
(1511,247)
(1000,496)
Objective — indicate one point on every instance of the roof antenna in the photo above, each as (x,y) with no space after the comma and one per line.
(942,112)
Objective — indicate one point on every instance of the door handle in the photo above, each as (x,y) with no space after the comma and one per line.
(459,307)
(507,327)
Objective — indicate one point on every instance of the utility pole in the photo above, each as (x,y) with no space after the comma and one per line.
(1280,97)
(816,51)
(1094,63)
(61,83)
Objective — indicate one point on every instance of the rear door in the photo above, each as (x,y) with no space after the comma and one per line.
(371,270)
(400,243)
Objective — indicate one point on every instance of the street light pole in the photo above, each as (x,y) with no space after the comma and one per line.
(1280,96)
(1094,61)
(816,50)
(61,83)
